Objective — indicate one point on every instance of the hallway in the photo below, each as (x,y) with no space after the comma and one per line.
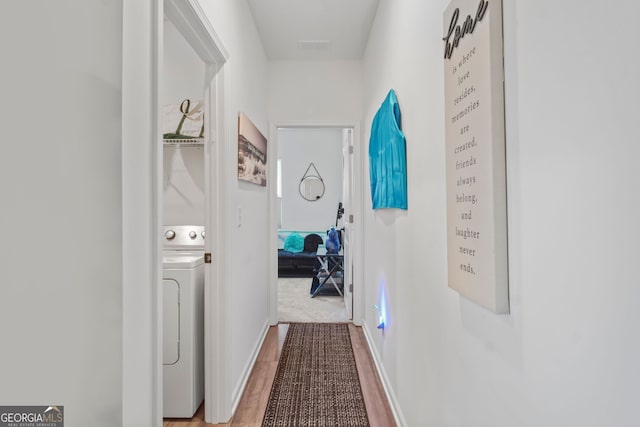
(80,179)
(253,403)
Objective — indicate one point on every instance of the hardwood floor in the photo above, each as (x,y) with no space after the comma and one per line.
(254,399)
(375,400)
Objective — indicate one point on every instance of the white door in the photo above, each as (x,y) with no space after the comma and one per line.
(347,234)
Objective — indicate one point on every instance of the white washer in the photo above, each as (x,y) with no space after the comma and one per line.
(183,321)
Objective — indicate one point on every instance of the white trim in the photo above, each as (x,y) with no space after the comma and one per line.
(398,416)
(193,24)
(217,338)
(141,214)
(195,27)
(357,199)
(246,372)
(272,153)
(358,285)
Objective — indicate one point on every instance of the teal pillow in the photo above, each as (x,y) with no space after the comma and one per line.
(294,243)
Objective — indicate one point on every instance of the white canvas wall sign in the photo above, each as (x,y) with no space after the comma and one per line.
(475,152)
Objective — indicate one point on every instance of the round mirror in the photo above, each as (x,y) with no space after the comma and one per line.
(311,188)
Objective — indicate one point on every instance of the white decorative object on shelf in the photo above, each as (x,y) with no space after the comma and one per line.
(183,121)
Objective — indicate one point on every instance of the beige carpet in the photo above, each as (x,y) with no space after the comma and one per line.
(296,305)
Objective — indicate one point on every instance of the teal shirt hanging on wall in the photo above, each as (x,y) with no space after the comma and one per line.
(388,157)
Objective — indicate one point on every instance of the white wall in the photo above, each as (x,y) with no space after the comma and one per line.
(183,173)
(298,148)
(60,178)
(183,184)
(246,204)
(183,71)
(312,92)
(567,354)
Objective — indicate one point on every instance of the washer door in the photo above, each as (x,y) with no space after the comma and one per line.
(171,322)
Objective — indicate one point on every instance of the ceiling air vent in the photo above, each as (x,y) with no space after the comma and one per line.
(313,44)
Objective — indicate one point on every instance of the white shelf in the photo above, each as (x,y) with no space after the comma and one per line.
(187,142)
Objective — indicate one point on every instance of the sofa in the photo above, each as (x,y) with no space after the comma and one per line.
(299,264)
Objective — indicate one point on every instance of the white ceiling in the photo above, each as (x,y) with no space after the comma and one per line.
(314,29)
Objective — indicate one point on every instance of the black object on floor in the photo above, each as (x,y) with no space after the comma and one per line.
(327,289)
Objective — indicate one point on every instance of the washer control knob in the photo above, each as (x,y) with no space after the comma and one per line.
(170,234)
(202,234)
(193,234)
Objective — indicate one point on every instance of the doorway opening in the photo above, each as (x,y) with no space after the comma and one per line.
(142,189)
(193,90)
(313,196)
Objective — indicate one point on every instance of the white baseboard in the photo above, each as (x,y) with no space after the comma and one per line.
(386,384)
(240,386)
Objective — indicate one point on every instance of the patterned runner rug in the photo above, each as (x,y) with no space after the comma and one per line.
(316,382)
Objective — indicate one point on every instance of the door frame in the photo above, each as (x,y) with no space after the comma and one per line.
(347,204)
(142,165)
(358,274)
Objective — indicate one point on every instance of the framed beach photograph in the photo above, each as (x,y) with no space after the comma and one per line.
(252,152)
